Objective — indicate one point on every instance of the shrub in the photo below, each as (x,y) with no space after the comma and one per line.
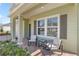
(1,30)
(11,49)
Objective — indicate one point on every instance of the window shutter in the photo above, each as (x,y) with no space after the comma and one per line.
(34,27)
(63,26)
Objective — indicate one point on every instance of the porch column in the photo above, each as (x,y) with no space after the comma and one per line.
(20,30)
(12,26)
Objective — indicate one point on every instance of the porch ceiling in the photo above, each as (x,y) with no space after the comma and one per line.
(31,9)
(21,8)
(41,8)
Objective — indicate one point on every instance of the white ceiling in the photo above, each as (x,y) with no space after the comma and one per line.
(31,9)
(43,8)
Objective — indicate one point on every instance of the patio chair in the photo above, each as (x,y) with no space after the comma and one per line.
(32,40)
(55,46)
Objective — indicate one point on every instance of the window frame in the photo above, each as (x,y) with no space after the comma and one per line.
(40,27)
(46,26)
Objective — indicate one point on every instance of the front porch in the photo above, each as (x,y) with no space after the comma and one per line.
(21,21)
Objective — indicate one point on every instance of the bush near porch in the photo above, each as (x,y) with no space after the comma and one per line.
(8,48)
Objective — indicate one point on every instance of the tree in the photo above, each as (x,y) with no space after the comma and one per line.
(1,30)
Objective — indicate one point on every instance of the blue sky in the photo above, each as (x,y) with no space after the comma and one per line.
(4,13)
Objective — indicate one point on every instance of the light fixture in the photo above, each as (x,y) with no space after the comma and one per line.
(42,7)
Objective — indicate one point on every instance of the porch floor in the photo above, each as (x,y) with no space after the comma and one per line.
(36,51)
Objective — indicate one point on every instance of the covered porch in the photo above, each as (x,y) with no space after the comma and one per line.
(22,25)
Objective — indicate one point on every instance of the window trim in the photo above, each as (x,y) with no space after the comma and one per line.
(45,26)
(40,27)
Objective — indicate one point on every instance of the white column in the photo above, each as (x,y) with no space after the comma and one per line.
(12,26)
(20,30)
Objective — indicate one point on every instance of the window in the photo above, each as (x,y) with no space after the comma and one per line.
(41,27)
(41,23)
(52,26)
(52,21)
(40,31)
(52,32)
(48,26)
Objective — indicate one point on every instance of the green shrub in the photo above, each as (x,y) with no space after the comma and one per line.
(1,30)
(11,49)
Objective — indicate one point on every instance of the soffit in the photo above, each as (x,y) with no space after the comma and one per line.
(22,8)
(42,8)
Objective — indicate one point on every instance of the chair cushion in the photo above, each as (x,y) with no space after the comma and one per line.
(56,42)
(52,47)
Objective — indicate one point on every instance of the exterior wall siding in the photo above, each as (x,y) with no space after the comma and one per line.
(70,44)
(77,6)
(26,30)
